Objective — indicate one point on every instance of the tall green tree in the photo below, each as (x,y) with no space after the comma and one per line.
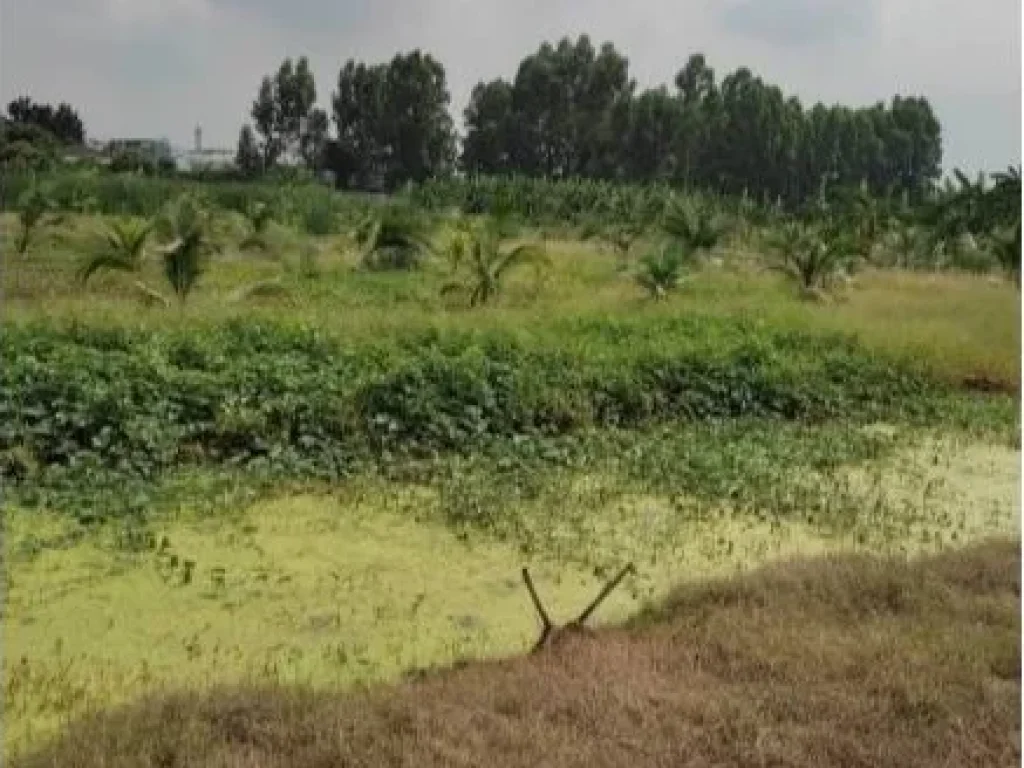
(313,139)
(357,155)
(563,101)
(651,132)
(284,113)
(572,111)
(248,157)
(418,126)
(488,146)
(695,83)
(392,122)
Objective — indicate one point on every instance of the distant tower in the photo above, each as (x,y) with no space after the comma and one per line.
(199,139)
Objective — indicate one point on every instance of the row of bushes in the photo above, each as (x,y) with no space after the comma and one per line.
(577,202)
(140,403)
(531,201)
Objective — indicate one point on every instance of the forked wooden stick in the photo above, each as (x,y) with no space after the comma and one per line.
(601,597)
(549,631)
(546,625)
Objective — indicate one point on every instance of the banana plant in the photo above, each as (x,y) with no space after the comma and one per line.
(1007,247)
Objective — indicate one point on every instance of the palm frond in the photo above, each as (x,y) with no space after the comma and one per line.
(113,261)
(261,289)
(692,226)
(520,256)
(395,239)
(187,226)
(661,271)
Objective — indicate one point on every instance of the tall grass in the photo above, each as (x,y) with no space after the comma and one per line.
(311,207)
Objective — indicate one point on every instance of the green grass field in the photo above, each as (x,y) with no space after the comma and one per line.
(558,429)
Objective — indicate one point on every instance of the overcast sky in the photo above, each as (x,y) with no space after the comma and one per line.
(159,67)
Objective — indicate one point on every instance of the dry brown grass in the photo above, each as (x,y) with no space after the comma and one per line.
(846,661)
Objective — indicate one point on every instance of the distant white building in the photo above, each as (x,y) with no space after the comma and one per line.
(153,149)
(204,159)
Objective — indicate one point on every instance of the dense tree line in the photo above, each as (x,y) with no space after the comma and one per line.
(391,122)
(32,134)
(573,110)
(26,118)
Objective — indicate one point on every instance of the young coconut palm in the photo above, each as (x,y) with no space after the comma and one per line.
(1007,247)
(661,271)
(259,215)
(392,239)
(811,257)
(621,238)
(476,253)
(186,228)
(123,250)
(693,226)
(34,208)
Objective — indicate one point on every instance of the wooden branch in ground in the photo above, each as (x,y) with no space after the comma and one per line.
(546,625)
(601,597)
(549,631)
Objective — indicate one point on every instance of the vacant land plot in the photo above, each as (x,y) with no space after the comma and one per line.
(308,475)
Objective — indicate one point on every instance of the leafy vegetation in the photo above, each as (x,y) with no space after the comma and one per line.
(34,212)
(123,250)
(481,265)
(87,407)
(814,258)
(392,238)
(661,270)
(188,244)
(259,215)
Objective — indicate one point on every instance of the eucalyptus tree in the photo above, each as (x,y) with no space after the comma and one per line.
(392,122)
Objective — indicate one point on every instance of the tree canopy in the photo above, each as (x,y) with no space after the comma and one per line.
(286,119)
(62,123)
(572,110)
(392,122)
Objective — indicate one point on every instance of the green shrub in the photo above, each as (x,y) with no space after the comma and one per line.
(85,407)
